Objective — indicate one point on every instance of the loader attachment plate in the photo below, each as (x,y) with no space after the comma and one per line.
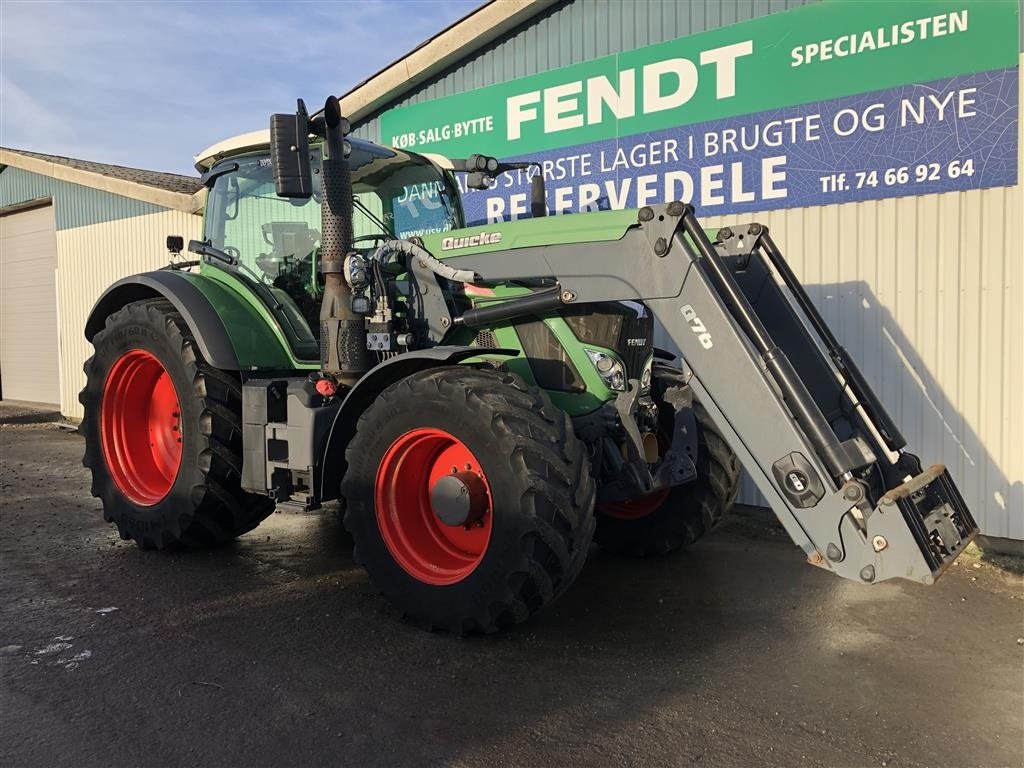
(936,514)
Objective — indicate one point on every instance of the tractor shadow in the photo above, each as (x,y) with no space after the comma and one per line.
(16,414)
(935,427)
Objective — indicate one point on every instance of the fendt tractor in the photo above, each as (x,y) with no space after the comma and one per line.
(484,401)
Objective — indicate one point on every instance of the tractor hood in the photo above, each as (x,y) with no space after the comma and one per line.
(527,233)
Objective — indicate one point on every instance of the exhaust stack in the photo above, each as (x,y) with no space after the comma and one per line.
(343,354)
(342,332)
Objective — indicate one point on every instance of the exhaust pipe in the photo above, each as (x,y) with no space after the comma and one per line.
(343,352)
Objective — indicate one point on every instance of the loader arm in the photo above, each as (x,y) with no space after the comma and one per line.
(788,400)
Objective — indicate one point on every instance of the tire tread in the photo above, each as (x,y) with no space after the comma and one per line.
(558,489)
(222,510)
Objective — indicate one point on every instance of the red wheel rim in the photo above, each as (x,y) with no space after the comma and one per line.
(420,543)
(140,427)
(634,509)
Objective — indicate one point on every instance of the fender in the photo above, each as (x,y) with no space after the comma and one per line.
(194,297)
(362,395)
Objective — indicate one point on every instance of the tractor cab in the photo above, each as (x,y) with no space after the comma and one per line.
(274,241)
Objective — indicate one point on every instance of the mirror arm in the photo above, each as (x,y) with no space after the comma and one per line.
(204,248)
(216,172)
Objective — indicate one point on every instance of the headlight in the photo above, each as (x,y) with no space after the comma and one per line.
(645,377)
(609,368)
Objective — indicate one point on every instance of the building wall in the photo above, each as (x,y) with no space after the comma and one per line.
(101,237)
(924,291)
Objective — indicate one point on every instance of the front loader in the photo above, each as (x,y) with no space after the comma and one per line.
(485,401)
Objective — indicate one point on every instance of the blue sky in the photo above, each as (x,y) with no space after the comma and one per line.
(150,84)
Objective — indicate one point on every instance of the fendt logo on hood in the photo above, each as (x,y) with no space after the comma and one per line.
(484,238)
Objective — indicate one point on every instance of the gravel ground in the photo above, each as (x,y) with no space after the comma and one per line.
(272,651)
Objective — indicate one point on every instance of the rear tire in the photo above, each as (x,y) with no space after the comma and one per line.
(533,522)
(664,521)
(148,387)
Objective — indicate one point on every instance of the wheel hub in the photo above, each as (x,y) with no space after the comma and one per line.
(459,499)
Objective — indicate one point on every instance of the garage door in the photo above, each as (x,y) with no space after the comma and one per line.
(29,350)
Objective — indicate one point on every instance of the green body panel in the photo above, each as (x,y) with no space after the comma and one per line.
(547,230)
(255,333)
(574,403)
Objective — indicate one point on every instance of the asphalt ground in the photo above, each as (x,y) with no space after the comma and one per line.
(273,652)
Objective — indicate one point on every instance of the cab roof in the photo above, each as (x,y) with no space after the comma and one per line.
(233,146)
(255,140)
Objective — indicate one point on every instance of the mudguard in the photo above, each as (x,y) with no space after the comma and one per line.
(203,303)
(366,390)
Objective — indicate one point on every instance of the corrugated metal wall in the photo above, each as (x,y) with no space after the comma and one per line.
(101,237)
(79,205)
(89,259)
(924,291)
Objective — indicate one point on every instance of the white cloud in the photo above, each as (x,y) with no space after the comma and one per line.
(150,84)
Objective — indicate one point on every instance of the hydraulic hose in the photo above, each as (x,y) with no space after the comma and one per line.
(438,267)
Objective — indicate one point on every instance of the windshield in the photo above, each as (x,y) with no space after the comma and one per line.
(395,194)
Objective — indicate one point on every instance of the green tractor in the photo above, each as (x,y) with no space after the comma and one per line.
(484,401)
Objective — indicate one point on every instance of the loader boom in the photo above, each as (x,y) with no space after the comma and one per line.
(796,411)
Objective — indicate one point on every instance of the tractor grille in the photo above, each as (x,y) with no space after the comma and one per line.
(486,340)
(552,367)
(625,326)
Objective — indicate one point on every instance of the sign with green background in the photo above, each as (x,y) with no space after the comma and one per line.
(815,57)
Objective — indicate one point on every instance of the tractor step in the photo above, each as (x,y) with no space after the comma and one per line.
(284,425)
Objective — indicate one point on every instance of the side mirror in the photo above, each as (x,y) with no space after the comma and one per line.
(175,244)
(289,153)
(232,195)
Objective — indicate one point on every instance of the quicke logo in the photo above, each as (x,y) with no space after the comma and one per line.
(471,241)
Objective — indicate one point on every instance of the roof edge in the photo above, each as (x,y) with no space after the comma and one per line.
(466,36)
(178,201)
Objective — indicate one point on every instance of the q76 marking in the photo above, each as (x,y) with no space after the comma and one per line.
(697,326)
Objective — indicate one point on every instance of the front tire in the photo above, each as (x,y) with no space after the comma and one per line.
(163,434)
(663,521)
(469,499)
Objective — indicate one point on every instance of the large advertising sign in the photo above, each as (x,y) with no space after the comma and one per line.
(838,101)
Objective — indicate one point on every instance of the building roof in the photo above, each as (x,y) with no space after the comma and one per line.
(172,182)
(466,36)
(454,43)
(169,190)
